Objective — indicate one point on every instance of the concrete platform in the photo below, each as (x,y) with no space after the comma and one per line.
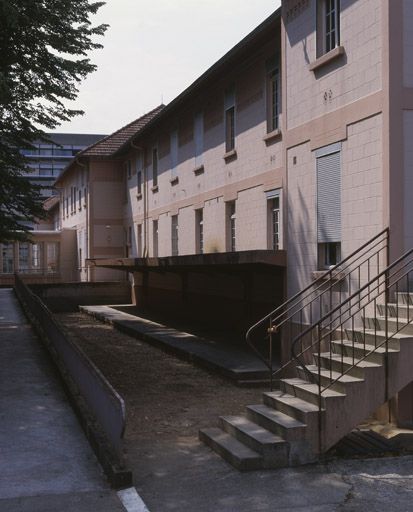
(235,363)
(46,463)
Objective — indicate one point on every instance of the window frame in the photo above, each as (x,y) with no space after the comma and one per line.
(323,31)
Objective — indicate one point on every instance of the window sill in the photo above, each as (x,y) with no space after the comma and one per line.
(174,181)
(327,58)
(230,155)
(269,137)
(324,274)
(155,189)
(139,196)
(199,170)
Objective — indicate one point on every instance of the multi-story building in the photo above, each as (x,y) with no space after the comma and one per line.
(45,258)
(286,156)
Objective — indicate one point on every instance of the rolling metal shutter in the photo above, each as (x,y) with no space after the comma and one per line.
(329,198)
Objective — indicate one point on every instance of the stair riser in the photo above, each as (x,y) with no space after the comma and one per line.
(277,453)
(372,338)
(404,298)
(289,434)
(393,326)
(286,408)
(359,353)
(393,311)
(304,394)
(326,381)
(241,464)
(337,366)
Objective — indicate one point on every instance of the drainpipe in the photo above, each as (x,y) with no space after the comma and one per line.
(145,200)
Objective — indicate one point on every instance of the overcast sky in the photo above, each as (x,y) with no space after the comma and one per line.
(153,50)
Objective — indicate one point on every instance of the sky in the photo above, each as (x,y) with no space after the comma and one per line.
(153,50)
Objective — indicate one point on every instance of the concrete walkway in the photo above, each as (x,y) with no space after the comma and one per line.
(46,464)
(233,362)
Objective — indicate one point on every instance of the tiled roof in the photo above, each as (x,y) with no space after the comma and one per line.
(111,143)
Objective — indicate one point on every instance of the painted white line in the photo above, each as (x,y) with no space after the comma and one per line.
(131,500)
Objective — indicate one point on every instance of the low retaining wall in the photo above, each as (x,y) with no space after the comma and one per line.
(66,297)
(101,408)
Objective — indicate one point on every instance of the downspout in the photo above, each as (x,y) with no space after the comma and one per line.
(145,251)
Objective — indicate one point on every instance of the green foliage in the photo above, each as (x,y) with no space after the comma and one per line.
(44,47)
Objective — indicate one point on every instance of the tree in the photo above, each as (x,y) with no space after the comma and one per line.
(44,47)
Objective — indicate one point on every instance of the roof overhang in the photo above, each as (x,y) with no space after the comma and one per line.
(211,261)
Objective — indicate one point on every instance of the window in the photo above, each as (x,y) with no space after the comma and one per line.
(36,257)
(328,161)
(199,231)
(128,169)
(174,235)
(139,173)
(7,252)
(155,238)
(273,219)
(231,226)
(84,198)
(328,26)
(154,167)
(273,95)
(199,138)
(230,120)
(23,257)
(174,154)
(52,255)
(80,200)
(129,241)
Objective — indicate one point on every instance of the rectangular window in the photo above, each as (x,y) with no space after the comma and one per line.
(84,197)
(328,26)
(129,241)
(36,262)
(80,200)
(52,255)
(174,235)
(273,94)
(7,252)
(23,257)
(328,161)
(155,238)
(229,120)
(174,154)
(273,219)
(231,226)
(140,241)
(155,167)
(128,168)
(139,167)
(199,138)
(199,230)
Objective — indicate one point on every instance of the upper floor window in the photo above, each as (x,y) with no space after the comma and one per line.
(174,235)
(174,154)
(328,26)
(155,167)
(199,138)
(273,95)
(273,219)
(231,226)
(230,120)
(199,230)
(139,173)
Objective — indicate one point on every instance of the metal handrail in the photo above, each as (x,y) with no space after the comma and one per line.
(332,326)
(301,300)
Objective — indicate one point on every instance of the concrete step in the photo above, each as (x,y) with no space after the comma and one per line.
(277,422)
(399,324)
(394,310)
(309,392)
(290,405)
(359,350)
(375,337)
(230,449)
(273,448)
(341,363)
(404,298)
(327,377)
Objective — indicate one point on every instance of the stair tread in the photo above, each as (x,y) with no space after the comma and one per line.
(398,335)
(237,449)
(349,360)
(393,319)
(278,417)
(349,343)
(254,430)
(312,388)
(292,400)
(333,374)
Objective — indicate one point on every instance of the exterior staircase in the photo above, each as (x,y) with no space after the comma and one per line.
(360,354)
